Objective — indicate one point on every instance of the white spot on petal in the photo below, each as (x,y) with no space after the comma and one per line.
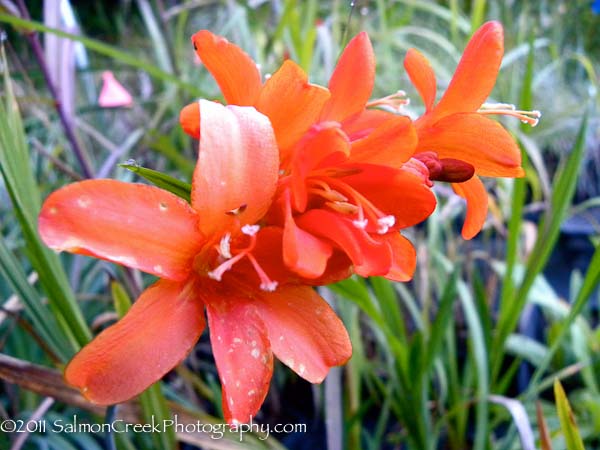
(255,353)
(84,201)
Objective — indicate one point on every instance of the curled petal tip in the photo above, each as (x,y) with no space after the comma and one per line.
(189,118)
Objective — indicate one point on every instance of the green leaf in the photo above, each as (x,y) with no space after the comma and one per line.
(22,188)
(567,419)
(162,180)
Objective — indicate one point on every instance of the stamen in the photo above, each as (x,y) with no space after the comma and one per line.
(385,223)
(250,230)
(331,195)
(217,274)
(266,284)
(394,101)
(530,117)
(343,207)
(224,247)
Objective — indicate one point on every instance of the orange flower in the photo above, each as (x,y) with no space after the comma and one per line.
(212,254)
(456,139)
(342,195)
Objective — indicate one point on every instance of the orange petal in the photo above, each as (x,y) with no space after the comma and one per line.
(235,72)
(352,81)
(303,253)
(396,192)
(422,76)
(155,335)
(189,118)
(291,103)
(362,124)
(139,226)
(476,73)
(369,257)
(237,166)
(404,257)
(392,143)
(242,354)
(324,144)
(473,191)
(475,139)
(305,333)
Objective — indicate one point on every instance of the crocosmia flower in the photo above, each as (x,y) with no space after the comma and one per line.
(343,193)
(456,140)
(213,254)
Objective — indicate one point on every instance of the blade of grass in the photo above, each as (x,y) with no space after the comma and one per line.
(548,232)
(16,170)
(162,180)
(567,419)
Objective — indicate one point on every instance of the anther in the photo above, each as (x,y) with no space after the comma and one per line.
(266,284)
(385,223)
(250,230)
(360,224)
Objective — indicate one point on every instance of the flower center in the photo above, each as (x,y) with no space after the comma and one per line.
(342,198)
(228,257)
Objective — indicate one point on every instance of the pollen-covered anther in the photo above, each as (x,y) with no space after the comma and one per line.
(250,230)
(385,223)
(506,109)
(395,101)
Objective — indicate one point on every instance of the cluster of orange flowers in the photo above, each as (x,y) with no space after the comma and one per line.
(296,185)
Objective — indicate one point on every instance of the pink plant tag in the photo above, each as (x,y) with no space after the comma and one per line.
(113,94)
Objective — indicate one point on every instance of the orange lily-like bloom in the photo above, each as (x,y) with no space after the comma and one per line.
(456,139)
(212,255)
(343,194)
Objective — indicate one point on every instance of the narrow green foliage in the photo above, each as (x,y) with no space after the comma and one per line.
(567,419)
(22,188)
(548,232)
(163,181)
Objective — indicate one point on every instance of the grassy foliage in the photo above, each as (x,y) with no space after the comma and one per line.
(448,360)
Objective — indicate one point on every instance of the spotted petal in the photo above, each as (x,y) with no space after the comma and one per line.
(242,354)
(155,335)
(305,333)
(131,224)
